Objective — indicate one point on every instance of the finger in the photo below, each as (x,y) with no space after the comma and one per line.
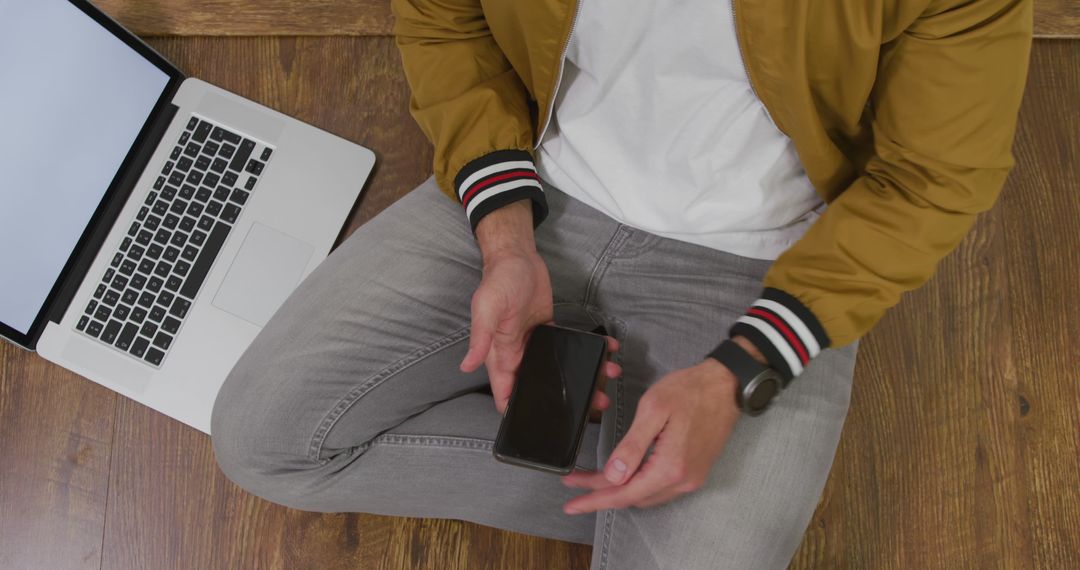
(665,496)
(481,334)
(646,483)
(612,344)
(628,455)
(600,401)
(581,479)
(612,370)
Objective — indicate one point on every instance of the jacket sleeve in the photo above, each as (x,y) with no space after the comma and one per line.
(944,110)
(470,103)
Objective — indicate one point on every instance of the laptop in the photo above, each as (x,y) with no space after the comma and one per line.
(150,224)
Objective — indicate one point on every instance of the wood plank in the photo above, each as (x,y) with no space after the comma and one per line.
(1053,18)
(55,441)
(960,450)
(169,505)
(1057,18)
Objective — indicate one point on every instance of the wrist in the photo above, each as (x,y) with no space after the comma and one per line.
(507,231)
(750,349)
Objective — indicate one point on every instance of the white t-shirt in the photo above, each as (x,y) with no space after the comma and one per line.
(656,125)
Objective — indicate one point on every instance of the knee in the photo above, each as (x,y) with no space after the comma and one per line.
(256,437)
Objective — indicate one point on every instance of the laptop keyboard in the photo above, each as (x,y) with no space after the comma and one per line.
(155,275)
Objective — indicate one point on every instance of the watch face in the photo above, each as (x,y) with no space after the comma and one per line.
(763,393)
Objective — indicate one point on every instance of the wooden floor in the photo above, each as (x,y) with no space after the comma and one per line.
(961,450)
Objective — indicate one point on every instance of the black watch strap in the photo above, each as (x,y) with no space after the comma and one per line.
(746,370)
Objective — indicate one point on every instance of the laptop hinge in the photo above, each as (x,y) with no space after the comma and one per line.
(126,183)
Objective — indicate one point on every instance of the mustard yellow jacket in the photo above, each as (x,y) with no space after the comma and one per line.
(902,112)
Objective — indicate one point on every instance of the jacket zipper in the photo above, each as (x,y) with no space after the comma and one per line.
(558,80)
(746,67)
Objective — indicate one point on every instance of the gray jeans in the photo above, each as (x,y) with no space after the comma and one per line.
(350,400)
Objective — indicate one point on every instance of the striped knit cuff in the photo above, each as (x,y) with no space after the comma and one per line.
(497,179)
(784,330)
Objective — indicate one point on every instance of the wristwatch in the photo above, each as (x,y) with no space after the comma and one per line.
(758,384)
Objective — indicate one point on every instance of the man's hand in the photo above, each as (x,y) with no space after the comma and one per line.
(689,413)
(513,297)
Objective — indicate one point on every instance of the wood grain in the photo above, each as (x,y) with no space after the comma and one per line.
(962,447)
(1053,18)
(55,437)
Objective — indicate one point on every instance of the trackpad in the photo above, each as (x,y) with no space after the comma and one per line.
(266,269)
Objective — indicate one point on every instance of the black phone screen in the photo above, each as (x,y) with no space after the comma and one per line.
(549,406)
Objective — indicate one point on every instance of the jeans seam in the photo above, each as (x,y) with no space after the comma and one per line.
(616,241)
(354,395)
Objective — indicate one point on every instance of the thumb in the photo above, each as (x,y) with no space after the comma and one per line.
(481,334)
(630,452)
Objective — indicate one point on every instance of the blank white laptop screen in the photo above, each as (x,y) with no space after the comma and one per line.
(73,99)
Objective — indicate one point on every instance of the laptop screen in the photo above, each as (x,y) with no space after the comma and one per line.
(73,100)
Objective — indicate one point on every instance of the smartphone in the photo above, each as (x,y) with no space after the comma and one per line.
(545,419)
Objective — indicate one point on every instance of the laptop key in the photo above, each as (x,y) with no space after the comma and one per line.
(144,238)
(177,178)
(139,346)
(170,221)
(191,150)
(180,307)
(147,264)
(160,208)
(211,148)
(202,163)
(102,313)
(119,282)
(146,300)
(211,179)
(168,194)
(124,245)
(173,284)
(153,251)
(162,236)
(168,168)
(182,268)
(176,153)
(111,330)
(178,207)
(171,253)
(100,291)
(202,131)
(130,297)
(91,307)
(266,154)
(184,139)
(165,298)
(123,342)
(250,184)
(184,164)
(194,177)
(190,253)
(230,137)
(192,123)
(243,153)
(157,313)
(122,311)
(152,223)
(197,237)
(227,151)
(134,229)
(203,195)
(179,239)
(111,297)
(142,213)
(194,209)
(159,183)
(138,281)
(107,278)
(154,356)
(83,321)
(170,325)
(239,196)
(154,285)
(94,328)
(149,329)
(230,213)
(206,258)
(138,315)
(213,209)
(219,165)
(162,340)
(222,193)
(127,267)
(163,269)
(188,223)
(187,191)
(116,260)
(255,167)
(152,197)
